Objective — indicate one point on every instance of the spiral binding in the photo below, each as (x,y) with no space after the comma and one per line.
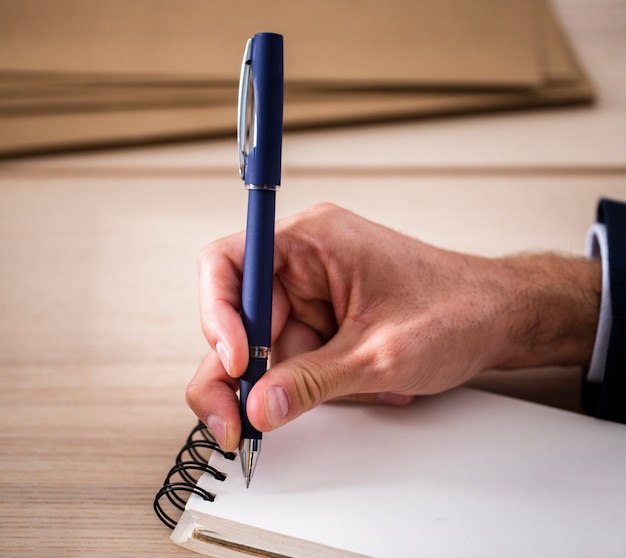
(193,456)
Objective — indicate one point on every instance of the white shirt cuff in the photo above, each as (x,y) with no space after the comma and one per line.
(597,246)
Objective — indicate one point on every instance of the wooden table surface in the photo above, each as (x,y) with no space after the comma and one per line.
(100,332)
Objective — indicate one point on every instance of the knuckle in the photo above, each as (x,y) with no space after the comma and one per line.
(207,254)
(312,386)
(323,213)
(193,395)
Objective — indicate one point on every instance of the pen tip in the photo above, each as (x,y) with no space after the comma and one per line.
(249,450)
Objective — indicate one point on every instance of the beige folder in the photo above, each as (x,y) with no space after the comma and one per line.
(363,41)
(77,74)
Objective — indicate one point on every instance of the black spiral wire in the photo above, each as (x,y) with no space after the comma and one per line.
(180,483)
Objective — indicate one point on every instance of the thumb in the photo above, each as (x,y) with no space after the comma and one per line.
(300,383)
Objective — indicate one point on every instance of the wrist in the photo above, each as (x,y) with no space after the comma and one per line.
(549,313)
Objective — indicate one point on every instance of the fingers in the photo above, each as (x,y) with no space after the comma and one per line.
(294,386)
(343,323)
(295,338)
(300,292)
(219,266)
(211,395)
(311,374)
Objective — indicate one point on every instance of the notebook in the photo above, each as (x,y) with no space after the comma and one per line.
(121,74)
(465,473)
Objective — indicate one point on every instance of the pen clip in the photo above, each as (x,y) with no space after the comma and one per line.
(245,121)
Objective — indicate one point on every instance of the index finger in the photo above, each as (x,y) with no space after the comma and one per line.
(220,266)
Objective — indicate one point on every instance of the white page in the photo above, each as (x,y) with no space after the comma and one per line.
(461,474)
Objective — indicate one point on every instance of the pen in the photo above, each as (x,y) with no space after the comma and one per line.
(259,139)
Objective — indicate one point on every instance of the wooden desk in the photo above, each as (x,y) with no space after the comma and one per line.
(99,332)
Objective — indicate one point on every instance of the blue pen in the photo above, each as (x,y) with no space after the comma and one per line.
(259,139)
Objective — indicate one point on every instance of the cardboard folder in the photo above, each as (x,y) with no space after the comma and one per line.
(79,74)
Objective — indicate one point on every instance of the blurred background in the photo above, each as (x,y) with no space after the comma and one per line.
(82,74)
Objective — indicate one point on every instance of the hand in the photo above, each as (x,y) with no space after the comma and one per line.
(363,312)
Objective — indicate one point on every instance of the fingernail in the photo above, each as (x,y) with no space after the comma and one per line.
(224,354)
(217,427)
(276,405)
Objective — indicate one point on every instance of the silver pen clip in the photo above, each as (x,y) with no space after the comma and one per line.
(245,121)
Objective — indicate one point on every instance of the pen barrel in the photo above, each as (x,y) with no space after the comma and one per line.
(263,166)
(257,284)
(258,267)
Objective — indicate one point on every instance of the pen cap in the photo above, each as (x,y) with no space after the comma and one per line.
(266,70)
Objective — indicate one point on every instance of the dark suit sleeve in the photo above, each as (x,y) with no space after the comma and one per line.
(608,399)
